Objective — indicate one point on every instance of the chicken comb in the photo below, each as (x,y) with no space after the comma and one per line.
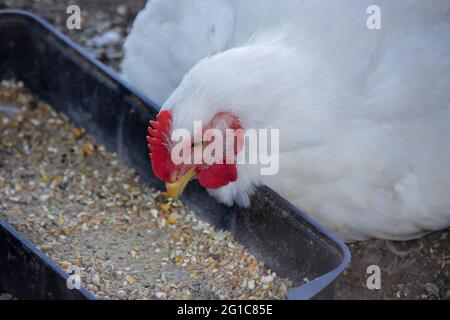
(158,138)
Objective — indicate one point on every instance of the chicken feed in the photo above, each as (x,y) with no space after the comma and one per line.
(82,207)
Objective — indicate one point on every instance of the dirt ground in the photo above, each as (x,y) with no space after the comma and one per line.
(418,269)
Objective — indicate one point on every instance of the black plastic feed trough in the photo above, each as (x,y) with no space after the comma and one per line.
(94,97)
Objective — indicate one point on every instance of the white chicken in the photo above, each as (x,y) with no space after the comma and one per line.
(363,113)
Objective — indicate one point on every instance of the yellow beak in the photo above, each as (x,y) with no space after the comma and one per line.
(175,189)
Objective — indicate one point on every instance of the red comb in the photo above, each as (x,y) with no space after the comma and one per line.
(159,135)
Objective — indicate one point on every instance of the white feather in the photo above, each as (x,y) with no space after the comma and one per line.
(364,115)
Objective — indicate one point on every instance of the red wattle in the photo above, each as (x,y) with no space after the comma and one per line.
(217,175)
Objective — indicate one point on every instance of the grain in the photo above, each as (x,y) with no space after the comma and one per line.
(82,207)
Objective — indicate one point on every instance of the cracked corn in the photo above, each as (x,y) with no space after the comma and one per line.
(76,202)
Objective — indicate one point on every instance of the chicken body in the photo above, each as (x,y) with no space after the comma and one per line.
(363,114)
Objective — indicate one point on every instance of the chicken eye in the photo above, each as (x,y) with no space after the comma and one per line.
(196,144)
